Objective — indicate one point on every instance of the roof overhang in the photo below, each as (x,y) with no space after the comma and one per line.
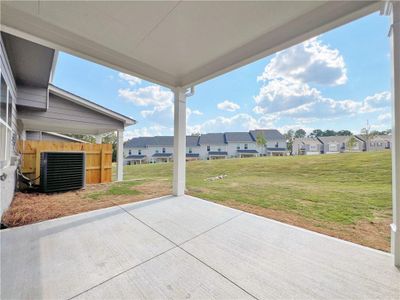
(176,43)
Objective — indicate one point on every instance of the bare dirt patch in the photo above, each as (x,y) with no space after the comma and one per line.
(36,207)
(374,234)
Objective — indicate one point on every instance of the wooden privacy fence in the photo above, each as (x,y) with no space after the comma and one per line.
(98,158)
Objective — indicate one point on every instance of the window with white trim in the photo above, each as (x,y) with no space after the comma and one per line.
(5,124)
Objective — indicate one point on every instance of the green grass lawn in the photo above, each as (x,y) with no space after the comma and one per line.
(342,189)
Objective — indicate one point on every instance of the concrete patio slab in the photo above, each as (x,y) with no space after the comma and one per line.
(173,275)
(181,218)
(60,258)
(139,251)
(273,260)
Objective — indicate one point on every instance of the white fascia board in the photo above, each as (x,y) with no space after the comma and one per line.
(66,137)
(53,66)
(91,105)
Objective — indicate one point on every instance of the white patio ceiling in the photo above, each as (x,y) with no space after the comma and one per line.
(176,43)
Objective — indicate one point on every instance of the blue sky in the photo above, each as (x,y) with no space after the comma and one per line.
(338,80)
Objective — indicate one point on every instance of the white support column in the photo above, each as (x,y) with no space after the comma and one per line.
(395,49)
(120,155)
(99,139)
(179,180)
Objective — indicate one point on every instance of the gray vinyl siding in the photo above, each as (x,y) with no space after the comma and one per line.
(7,187)
(32,97)
(68,112)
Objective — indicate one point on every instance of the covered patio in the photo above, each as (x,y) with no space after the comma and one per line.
(180,246)
(185,247)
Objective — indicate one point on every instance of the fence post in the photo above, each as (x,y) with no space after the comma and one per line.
(102,159)
(37,164)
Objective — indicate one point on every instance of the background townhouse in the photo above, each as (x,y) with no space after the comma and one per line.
(241,144)
(276,144)
(338,144)
(157,149)
(376,143)
(307,146)
(206,146)
(192,147)
(213,146)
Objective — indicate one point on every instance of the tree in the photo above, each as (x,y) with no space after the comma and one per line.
(367,134)
(344,133)
(83,137)
(289,139)
(316,133)
(329,132)
(300,133)
(111,138)
(351,143)
(261,140)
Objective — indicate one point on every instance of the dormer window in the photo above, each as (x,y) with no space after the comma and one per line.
(130,152)
(208,148)
(219,149)
(139,152)
(237,147)
(190,150)
(163,150)
(277,145)
(157,151)
(246,146)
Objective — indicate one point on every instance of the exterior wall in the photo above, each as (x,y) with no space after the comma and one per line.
(204,153)
(313,149)
(7,187)
(195,149)
(341,146)
(378,144)
(232,147)
(63,113)
(152,150)
(332,147)
(309,148)
(32,97)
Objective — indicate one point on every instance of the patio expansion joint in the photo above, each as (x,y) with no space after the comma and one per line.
(122,272)
(195,257)
(175,245)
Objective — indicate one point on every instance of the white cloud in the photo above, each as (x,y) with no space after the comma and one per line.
(377,102)
(158,100)
(149,95)
(385,118)
(238,122)
(308,62)
(147,131)
(132,80)
(228,106)
(281,95)
(197,112)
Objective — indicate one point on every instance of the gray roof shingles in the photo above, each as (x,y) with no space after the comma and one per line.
(238,137)
(212,139)
(205,139)
(269,134)
(159,141)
